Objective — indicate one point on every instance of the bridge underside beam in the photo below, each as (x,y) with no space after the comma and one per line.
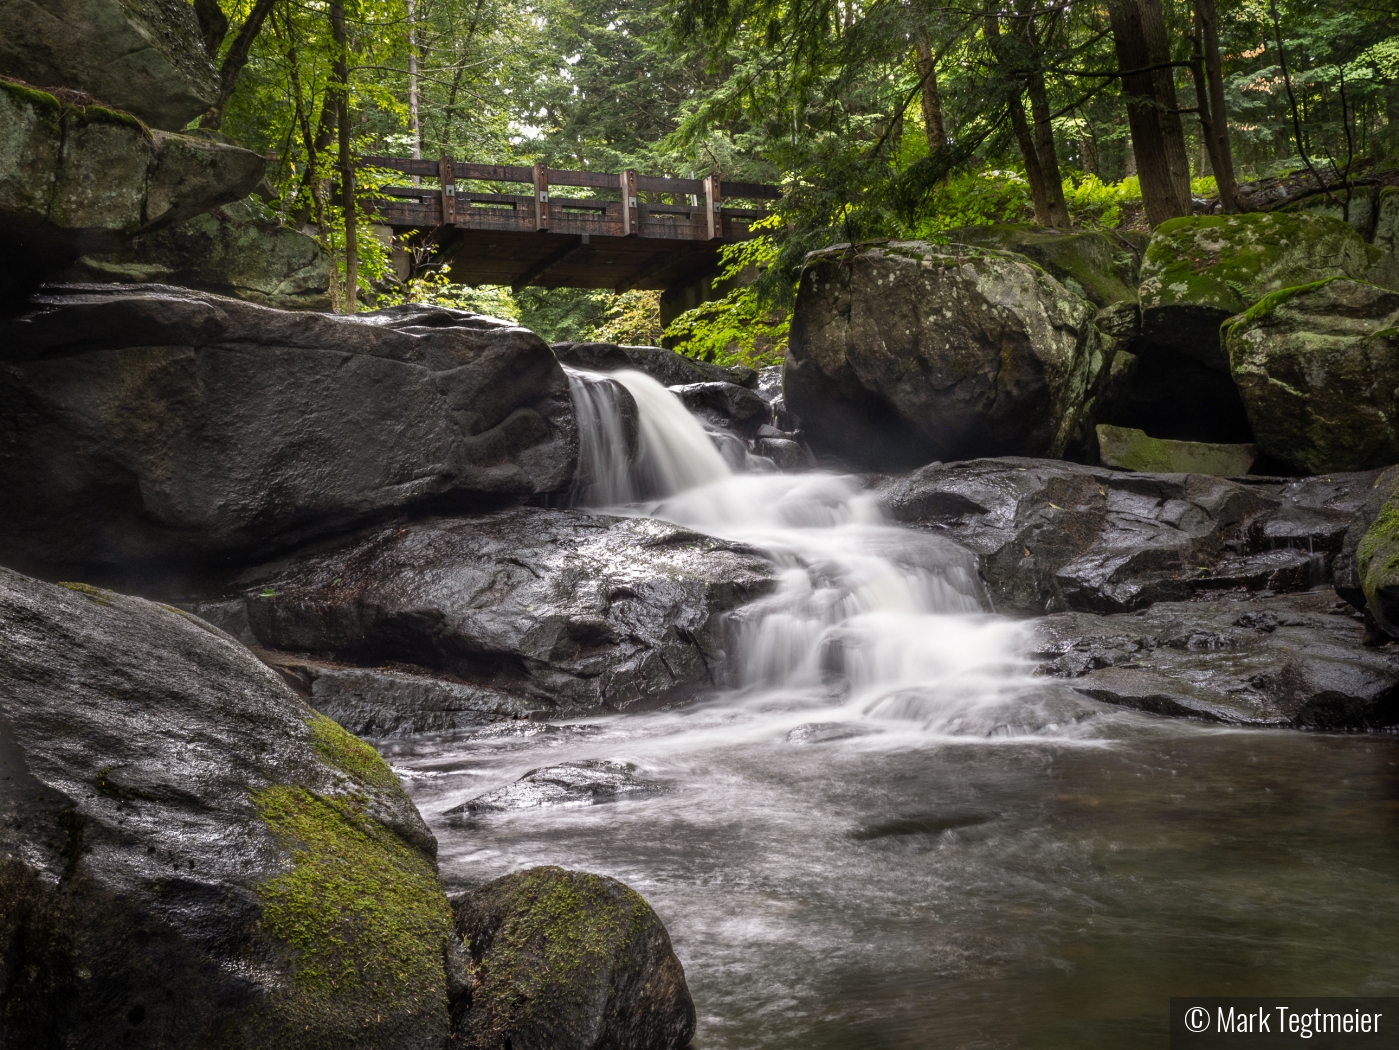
(619,263)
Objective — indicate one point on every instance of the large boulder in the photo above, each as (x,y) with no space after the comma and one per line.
(1386,236)
(908,352)
(190,856)
(148,428)
(1201,270)
(1100,266)
(77,178)
(562,609)
(1318,370)
(233,250)
(1376,571)
(1058,536)
(565,960)
(143,56)
(1128,449)
(1268,660)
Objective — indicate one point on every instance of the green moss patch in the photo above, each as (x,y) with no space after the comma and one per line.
(564,932)
(97,594)
(350,754)
(361,909)
(1273,300)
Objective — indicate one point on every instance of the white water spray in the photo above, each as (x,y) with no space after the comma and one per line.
(869,620)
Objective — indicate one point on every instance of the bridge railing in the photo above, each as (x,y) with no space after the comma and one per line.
(698,209)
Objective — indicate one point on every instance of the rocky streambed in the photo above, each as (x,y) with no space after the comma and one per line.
(864,740)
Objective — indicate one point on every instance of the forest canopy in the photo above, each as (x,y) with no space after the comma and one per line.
(882,118)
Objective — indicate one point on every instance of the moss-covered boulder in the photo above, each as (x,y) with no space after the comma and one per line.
(190,857)
(1128,449)
(1355,207)
(564,960)
(1317,367)
(1198,271)
(233,250)
(1100,266)
(1377,564)
(908,352)
(83,178)
(144,56)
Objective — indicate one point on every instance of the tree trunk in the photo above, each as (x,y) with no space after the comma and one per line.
(1217,134)
(413,86)
(1158,143)
(1034,173)
(347,168)
(932,101)
(234,61)
(1057,211)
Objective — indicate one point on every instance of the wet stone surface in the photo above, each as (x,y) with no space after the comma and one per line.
(1275,660)
(588,783)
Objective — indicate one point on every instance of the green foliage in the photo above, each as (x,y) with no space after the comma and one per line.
(976,199)
(742,328)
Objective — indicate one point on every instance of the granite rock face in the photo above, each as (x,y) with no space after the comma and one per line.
(1057,536)
(1283,660)
(78,179)
(909,352)
(1097,265)
(232,251)
(1318,369)
(561,610)
(148,427)
(143,56)
(564,960)
(187,848)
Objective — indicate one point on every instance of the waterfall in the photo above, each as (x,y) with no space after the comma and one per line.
(888,619)
(673,452)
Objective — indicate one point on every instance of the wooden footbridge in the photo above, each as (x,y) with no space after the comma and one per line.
(629,231)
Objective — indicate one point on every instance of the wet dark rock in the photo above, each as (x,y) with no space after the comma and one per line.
(1274,660)
(666,366)
(786,454)
(394,700)
(565,960)
(589,783)
(908,352)
(148,427)
(919,824)
(182,844)
(726,404)
(145,56)
(562,609)
(1053,536)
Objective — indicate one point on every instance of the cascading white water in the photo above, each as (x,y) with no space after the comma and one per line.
(673,453)
(884,621)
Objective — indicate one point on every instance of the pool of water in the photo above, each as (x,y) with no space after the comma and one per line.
(857,883)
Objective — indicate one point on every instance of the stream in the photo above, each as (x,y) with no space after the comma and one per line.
(883,832)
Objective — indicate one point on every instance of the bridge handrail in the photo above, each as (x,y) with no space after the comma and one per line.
(603,180)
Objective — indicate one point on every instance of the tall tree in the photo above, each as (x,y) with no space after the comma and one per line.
(341,88)
(1208,69)
(1153,114)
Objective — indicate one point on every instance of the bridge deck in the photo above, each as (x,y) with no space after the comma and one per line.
(634,231)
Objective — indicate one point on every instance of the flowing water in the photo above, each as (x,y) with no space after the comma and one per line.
(886,834)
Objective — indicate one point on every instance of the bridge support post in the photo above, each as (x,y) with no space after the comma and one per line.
(631,225)
(714,222)
(447,176)
(541,198)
